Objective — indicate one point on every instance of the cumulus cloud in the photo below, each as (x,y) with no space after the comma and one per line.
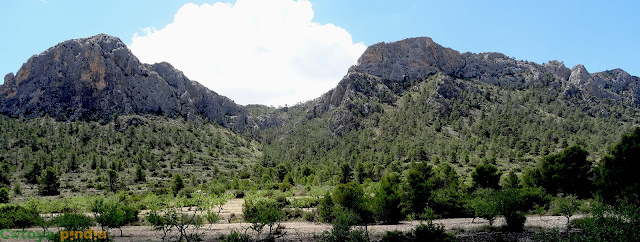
(253,51)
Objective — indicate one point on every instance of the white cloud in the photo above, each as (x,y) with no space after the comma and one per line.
(253,51)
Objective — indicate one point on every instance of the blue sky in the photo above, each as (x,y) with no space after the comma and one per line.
(601,35)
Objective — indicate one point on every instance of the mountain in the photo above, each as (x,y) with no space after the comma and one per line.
(97,77)
(417,100)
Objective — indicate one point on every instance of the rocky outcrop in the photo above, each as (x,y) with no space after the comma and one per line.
(386,70)
(96,77)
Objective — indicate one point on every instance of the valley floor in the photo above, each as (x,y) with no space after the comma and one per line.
(465,229)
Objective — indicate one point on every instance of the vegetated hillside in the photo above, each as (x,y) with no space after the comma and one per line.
(82,153)
(414,100)
(92,78)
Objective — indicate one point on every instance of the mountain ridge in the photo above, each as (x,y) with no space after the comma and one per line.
(396,64)
(96,77)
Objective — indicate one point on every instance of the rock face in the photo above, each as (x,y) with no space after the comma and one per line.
(96,77)
(386,70)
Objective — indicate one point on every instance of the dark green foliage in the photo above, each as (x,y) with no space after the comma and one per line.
(566,206)
(565,172)
(449,203)
(5,175)
(113,180)
(17,189)
(512,181)
(515,221)
(351,197)
(4,195)
(17,217)
(511,205)
(74,222)
(325,208)
(263,212)
(140,175)
(418,187)
(33,172)
(49,182)
(423,232)
(342,228)
(113,214)
(177,184)
(285,186)
(388,198)
(612,223)
(91,148)
(486,176)
(485,205)
(619,170)
(346,174)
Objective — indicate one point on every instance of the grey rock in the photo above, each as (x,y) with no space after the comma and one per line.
(386,70)
(94,78)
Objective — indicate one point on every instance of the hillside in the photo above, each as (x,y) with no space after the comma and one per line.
(414,100)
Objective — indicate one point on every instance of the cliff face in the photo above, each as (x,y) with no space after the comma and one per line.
(96,77)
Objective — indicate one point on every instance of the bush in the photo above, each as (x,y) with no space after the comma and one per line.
(74,222)
(342,228)
(566,206)
(485,205)
(515,221)
(261,213)
(566,172)
(234,236)
(4,195)
(424,232)
(309,216)
(619,170)
(387,199)
(351,197)
(611,224)
(305,202)
(15,216)
(486,176)
(285,186)
(325,208)
(449,203)
(113,214)
(418,187)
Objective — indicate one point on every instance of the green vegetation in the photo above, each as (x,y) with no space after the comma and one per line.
(488,153)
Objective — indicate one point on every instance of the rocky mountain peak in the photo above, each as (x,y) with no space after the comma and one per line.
(408,59)
(579,74)
(93,78)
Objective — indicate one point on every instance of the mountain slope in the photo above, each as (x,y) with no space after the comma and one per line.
(94,78)
(416,100)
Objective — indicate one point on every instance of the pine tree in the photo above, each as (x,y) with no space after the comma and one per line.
(140,174)
(177,184)
(113,180)
(49,182)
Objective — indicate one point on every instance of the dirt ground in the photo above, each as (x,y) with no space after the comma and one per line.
(305,231)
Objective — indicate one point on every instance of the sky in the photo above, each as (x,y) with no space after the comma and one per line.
(278,52)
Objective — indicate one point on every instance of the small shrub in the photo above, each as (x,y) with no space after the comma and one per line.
(4,195)
(285,186)
(234,236)
(15,216)
(325,208)
(423,232)
(342,228)
(515,221)
(74,222)
(432,232)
